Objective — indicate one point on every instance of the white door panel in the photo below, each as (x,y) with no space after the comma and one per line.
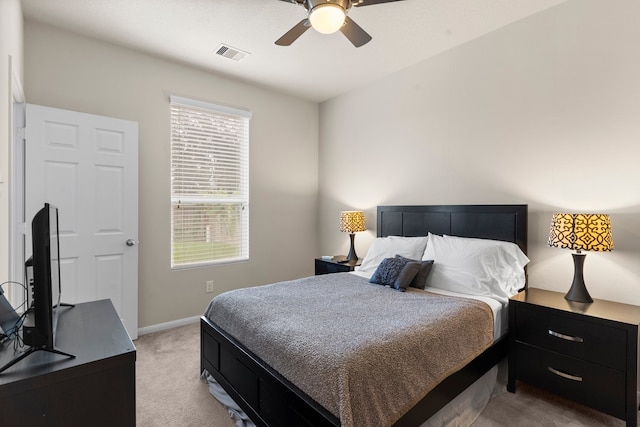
(87,166)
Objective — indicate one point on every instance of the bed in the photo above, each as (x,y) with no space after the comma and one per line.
(270,399)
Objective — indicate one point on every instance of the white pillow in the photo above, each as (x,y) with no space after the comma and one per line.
(475,266)
(389,247)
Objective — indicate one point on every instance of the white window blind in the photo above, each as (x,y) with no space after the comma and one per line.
(209,183)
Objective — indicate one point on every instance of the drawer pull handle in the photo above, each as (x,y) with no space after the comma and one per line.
(565,337)
(564,375)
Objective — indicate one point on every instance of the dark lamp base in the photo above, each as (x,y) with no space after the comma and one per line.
(352,251)
(578,291)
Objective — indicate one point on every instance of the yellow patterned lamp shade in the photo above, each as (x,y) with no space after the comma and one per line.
(352,222)
(581,232)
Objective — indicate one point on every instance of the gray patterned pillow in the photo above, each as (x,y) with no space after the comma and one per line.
(396,272)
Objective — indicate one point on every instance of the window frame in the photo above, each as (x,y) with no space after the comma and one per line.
(209,112)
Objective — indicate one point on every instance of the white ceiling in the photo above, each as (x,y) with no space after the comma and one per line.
(316,67)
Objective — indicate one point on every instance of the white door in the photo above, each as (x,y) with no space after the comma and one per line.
(87,166)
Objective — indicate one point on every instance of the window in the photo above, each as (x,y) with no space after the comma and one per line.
(209,183)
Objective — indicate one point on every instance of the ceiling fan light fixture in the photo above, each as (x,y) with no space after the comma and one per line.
(327,18)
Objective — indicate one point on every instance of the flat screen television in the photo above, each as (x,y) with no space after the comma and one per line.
(43,277)
(40,329)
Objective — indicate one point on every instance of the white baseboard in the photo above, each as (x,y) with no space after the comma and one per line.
(168,325)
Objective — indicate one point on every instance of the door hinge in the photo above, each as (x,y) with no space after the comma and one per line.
(22,228)
(22,133)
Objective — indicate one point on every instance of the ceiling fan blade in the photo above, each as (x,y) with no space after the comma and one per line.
(293,34)
(371,2)
(355,33)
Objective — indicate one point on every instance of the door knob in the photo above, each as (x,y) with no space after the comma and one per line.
(131,242)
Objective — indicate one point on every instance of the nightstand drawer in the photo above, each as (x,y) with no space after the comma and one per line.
(588,383)
(330,267)
(336,264)
(572,336)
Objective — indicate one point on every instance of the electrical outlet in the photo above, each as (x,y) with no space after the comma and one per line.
(209,286)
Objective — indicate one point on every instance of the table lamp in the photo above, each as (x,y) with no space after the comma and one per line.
(581,232)
(352,222)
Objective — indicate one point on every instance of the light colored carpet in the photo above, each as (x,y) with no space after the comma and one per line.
(533,407)
(170,392)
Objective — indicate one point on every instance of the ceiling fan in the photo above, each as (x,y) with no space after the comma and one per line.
(329,16)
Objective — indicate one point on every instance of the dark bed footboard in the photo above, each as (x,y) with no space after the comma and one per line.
(271,400)
(268,398)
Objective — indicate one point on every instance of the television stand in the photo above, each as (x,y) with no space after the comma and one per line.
(64,304)
(32,350)
(96,388)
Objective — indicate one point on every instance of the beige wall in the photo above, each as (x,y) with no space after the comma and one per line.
(544,112)
(67,71)
(11,47)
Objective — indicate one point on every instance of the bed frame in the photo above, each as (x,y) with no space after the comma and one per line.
(271,400)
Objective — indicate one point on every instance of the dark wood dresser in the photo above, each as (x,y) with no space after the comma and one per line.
(584,352)
(96,388)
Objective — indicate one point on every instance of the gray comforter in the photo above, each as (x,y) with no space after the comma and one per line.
(365,352)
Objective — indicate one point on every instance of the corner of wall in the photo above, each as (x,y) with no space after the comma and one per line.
(11,77)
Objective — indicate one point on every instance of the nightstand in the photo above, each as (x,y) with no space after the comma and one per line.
(585,352)
(334,266)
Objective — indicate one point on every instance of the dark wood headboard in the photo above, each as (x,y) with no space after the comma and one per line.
(498,222)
